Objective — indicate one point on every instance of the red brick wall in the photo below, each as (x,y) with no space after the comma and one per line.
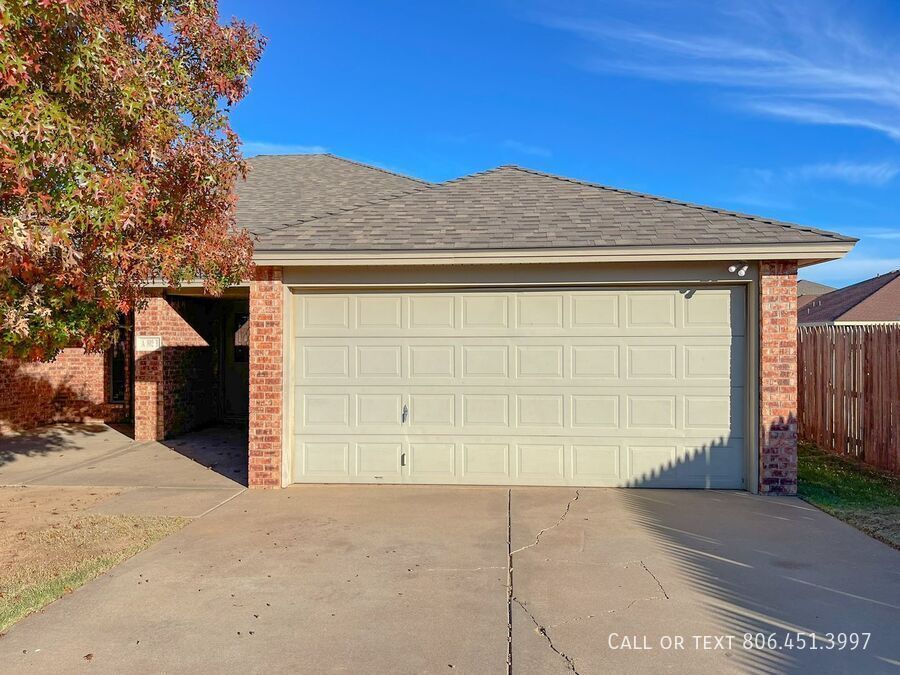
(266,392)
(71,388)
(176,387)
(778,377)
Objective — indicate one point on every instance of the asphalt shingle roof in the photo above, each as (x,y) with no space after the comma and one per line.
(876,299)
(282,189)
(505,208)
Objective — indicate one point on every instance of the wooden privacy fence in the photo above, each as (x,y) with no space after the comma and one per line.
(849,391)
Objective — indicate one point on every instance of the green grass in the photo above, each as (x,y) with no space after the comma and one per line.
(861,496)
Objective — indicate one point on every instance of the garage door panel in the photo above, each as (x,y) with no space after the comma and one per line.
(694,311)
(323,459)
(485,410)
(525,361)
(593,310)
(649,309)
(540,361)
(431,361)
(718,460)
(613,387)
(651,411)
(379,312)
(600,411)
(541,461)
(485,311)
(492,460)
(595,412)
(433,462)
(593,463)
(379,460)
(542,310)
(432,313)
(651,362)
(324,313)
(485,462)
(325,361)
(650,465)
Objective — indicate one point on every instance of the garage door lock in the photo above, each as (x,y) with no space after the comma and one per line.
(404,414)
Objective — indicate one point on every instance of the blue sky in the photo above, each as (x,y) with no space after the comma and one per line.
(782,108)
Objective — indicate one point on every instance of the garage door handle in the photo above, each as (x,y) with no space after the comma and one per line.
(404,414)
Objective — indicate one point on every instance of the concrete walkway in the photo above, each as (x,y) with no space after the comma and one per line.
(481,580)
(187,476)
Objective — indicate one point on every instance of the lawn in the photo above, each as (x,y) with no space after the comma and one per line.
(858,495)
(50,544)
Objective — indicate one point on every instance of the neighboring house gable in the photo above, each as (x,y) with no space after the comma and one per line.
(807,291)
(875,300)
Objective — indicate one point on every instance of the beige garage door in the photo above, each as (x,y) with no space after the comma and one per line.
(589,387)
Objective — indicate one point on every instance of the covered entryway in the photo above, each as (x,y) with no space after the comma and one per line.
(628,386)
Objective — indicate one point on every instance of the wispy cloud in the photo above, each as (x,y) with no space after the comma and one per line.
(253,148)
(781,188)
(785,58)
(526,148)
(855,173)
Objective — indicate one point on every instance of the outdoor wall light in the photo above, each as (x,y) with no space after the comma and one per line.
(739,267)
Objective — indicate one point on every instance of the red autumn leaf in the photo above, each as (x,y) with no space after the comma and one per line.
(117,161)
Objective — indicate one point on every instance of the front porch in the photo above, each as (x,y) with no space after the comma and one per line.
(191,363)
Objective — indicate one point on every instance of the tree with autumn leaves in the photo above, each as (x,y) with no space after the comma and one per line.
(117,161)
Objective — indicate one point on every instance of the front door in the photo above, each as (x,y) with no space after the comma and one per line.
(236,362)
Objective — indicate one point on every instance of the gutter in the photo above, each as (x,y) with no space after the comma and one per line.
(804,253)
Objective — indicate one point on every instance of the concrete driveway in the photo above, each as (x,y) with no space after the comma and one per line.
(481,580)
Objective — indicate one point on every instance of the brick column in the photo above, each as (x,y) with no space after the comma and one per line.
(149,394)
(266,371)
(778,377)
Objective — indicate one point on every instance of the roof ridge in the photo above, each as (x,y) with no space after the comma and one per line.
(424,187)
(468,176)
(669,200)
(375,168)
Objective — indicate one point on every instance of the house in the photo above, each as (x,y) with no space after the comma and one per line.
(507,327)
(873,301)
(807,291)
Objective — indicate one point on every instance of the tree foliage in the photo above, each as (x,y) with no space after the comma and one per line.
(117,161)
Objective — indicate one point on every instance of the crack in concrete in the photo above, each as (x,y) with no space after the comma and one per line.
(537,539)
(540,630)
(647,570)
(587,563)
(576,619)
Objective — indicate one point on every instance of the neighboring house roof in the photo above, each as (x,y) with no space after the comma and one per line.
(807,291)
(282,189)
(805,287)
(507,208)
(872,300)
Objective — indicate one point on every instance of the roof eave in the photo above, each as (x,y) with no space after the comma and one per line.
(809,253)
